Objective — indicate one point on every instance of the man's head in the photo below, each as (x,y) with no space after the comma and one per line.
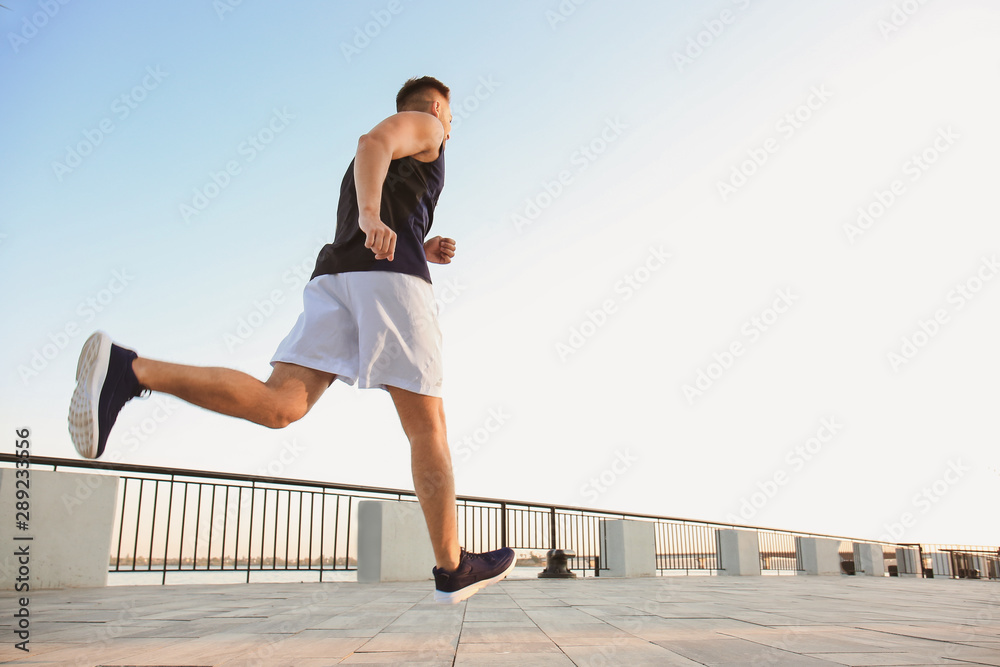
(429,95)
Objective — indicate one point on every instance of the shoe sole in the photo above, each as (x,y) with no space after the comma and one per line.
(91,372)
(470,590)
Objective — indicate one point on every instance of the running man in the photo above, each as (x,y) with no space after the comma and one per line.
(369,316)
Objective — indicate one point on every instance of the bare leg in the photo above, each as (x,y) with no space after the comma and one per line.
(284,398)
(422,418)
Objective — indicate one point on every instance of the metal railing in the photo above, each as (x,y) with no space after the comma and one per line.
(778,551)
(687,546)
(846,551)
(958,561)
(173,520)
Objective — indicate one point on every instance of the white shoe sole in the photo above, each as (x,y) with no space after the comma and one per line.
(470,590)
(91,372)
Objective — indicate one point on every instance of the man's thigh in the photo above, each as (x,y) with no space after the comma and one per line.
(419,414)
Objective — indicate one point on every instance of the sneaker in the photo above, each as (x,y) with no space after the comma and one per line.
(474,572)
(104,383)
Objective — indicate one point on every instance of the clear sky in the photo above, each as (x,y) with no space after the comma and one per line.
(730,260)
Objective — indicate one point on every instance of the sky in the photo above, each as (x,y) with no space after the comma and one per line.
(729,261)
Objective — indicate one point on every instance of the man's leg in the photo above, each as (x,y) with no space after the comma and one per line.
(422,418)
(109,376)
(286,397)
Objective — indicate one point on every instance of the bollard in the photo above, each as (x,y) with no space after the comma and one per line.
(557,567)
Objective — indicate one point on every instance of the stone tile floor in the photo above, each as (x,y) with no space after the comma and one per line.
(716,621)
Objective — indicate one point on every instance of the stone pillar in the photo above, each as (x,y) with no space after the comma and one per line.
(740,552)
(907,562)
(868,559)
(630,548)
(70,520)
(393,542)
(819,556)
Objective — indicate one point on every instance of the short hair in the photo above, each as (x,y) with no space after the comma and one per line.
(413,87)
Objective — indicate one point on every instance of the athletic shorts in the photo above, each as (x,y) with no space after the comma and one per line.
(376,328)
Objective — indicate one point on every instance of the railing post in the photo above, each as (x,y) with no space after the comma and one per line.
(253,493)
(347,549)
(630,548)
(393,543)
(166,540)
(819,556)
(552,528)
(740,552)
(322,531)
(503,525)
(74,517)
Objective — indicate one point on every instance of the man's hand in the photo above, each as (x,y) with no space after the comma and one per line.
(378,236)
(439,250)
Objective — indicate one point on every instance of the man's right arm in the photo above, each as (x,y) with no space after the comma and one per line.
(408,133)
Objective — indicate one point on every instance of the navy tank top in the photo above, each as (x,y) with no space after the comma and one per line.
(409,194)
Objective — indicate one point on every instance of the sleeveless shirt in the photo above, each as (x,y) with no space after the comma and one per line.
(409,194)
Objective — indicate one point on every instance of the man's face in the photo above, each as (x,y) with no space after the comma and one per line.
(444,115)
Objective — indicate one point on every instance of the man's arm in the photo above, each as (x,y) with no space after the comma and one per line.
(408,133)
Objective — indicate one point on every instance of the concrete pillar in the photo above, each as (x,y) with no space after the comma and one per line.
(393,542)
(70,522)
(868,559)
(740,552)
(819,556)
(630,548)
(907,562)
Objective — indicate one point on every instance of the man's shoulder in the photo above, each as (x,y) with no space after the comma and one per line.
(412,134)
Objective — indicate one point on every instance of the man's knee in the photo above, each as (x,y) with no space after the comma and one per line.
(423,439)
(291,391)
(284,413)
(425,429)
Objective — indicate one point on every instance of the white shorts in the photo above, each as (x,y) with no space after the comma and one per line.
(376,328)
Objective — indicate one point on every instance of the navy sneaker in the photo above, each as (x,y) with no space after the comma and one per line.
(474,572)
(104,383)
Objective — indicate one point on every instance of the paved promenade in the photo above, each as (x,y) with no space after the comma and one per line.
(716,621)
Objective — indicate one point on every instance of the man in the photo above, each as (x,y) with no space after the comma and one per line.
(369,316)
